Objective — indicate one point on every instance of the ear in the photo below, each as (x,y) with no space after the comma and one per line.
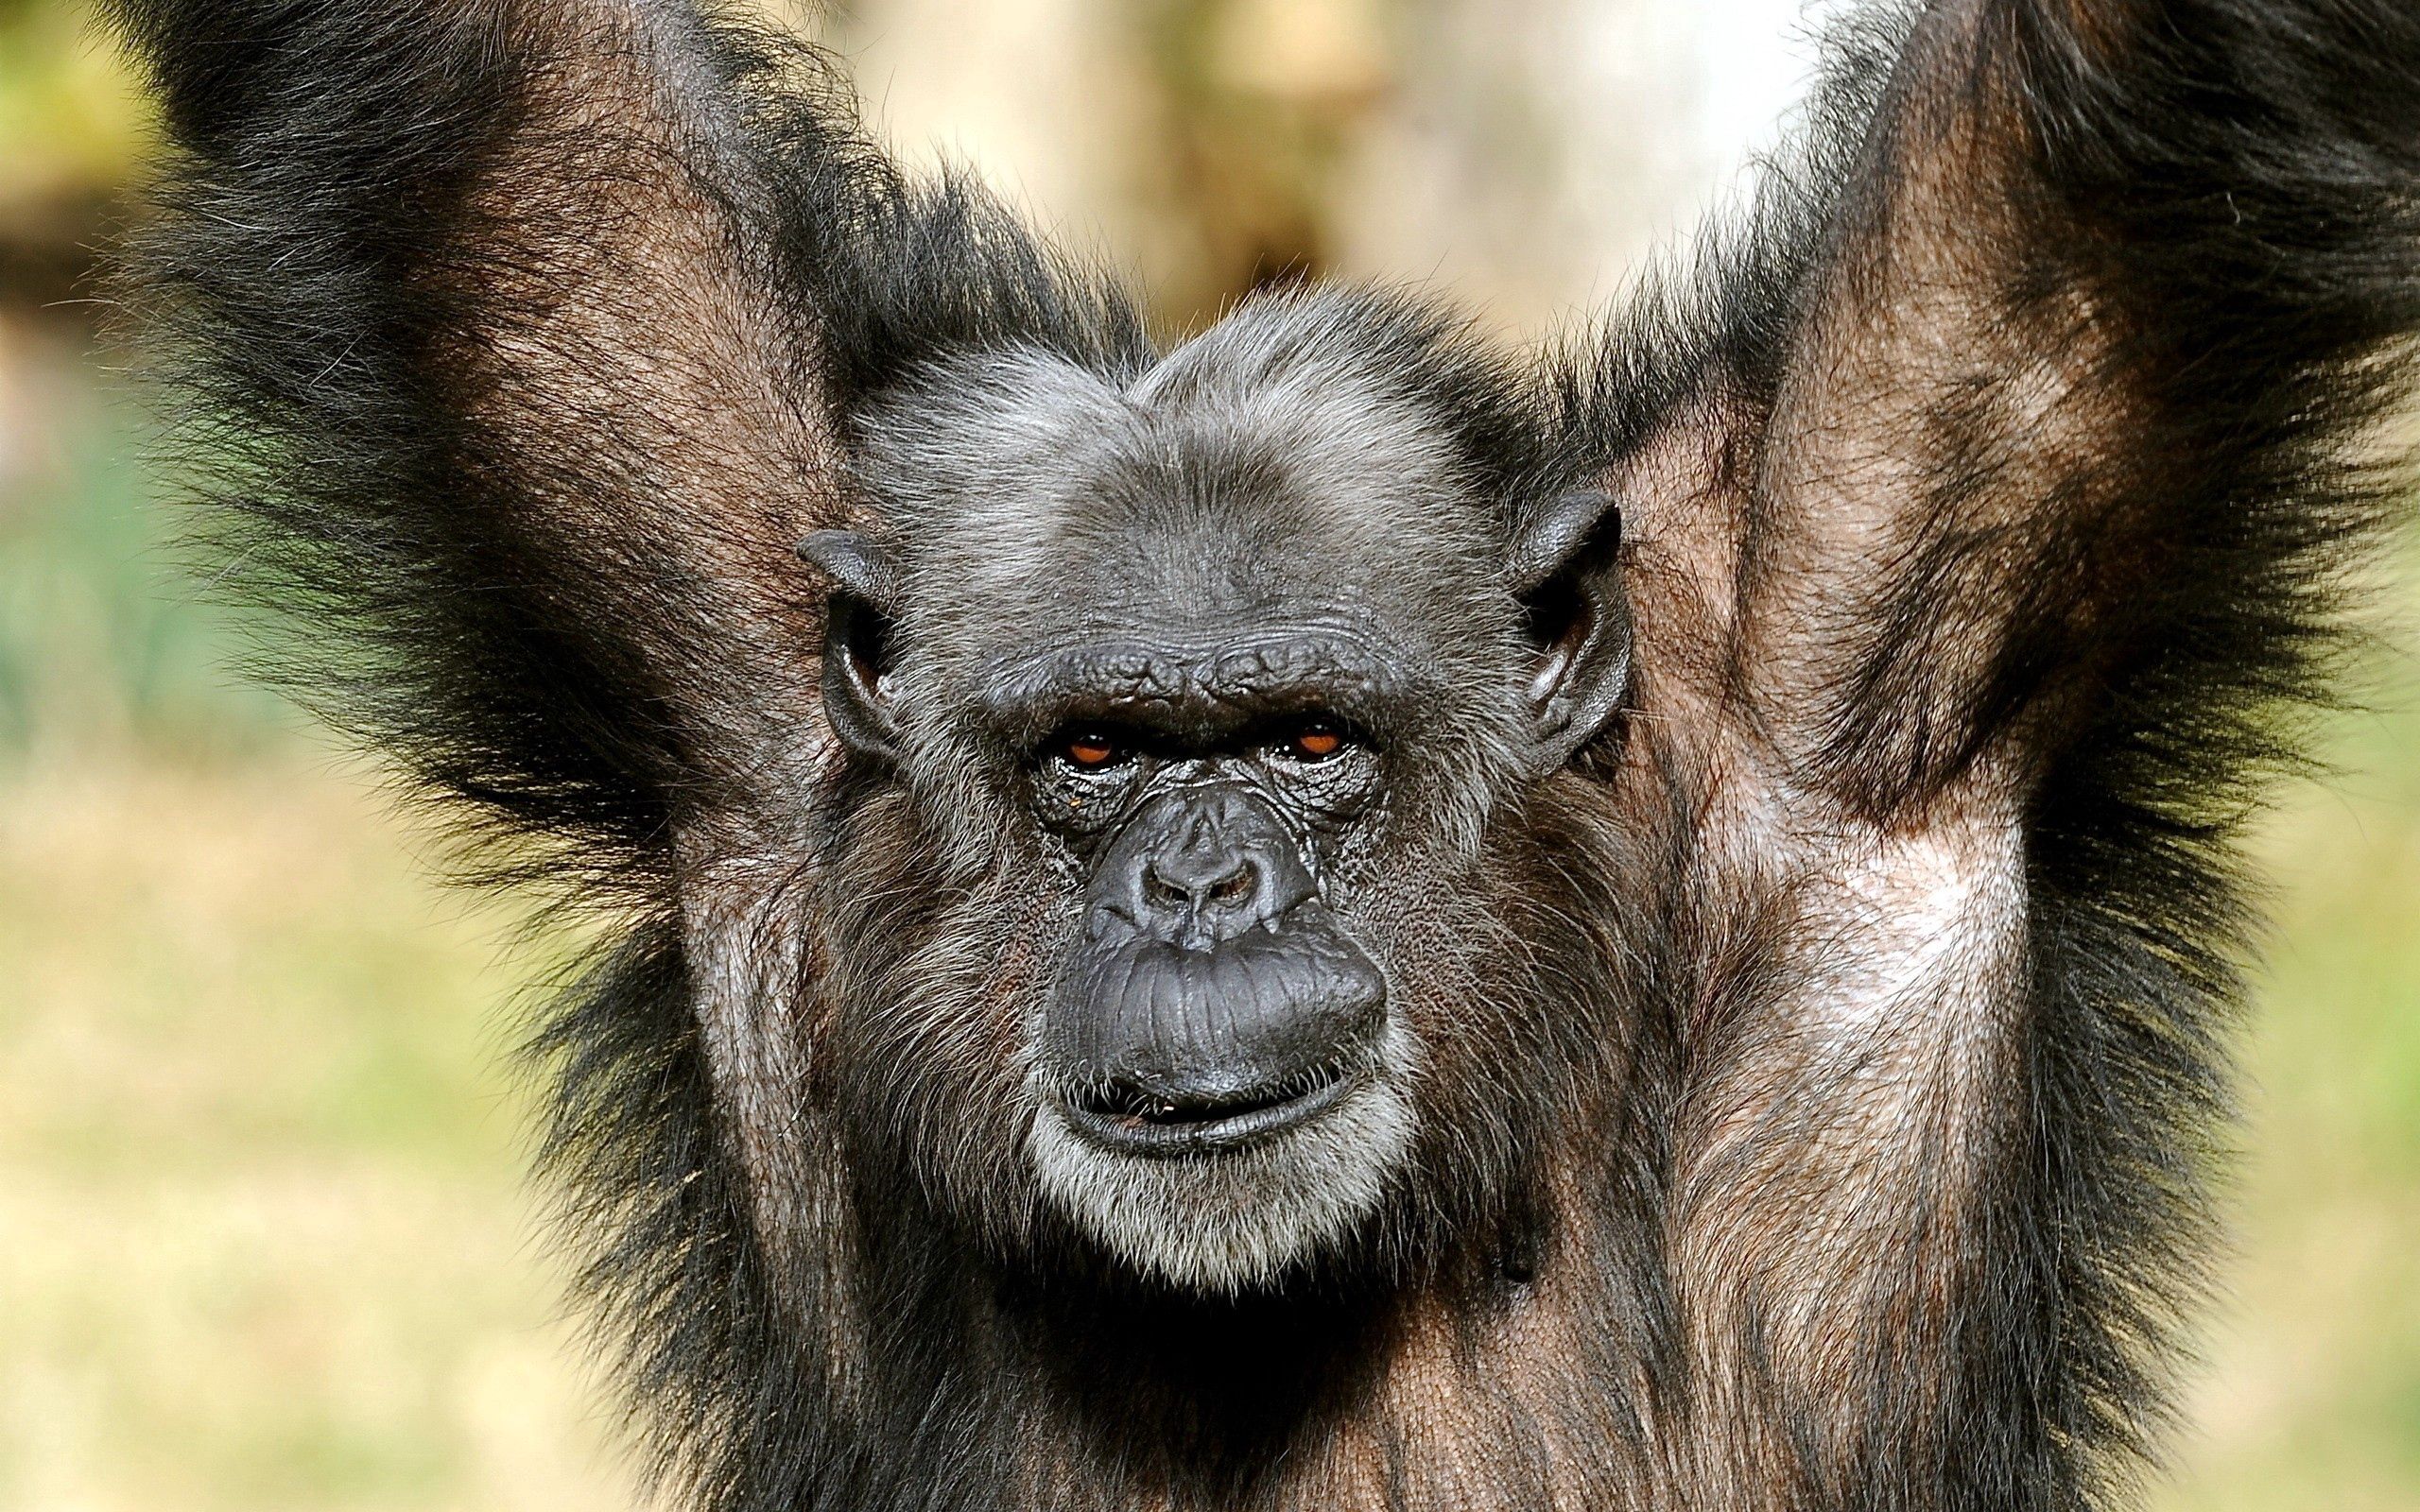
(858,639)
(1565,569)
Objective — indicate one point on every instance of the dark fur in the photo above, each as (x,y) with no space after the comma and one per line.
(1999,469)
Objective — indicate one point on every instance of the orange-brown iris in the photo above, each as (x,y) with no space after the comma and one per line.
(1092,750)
(1318,741)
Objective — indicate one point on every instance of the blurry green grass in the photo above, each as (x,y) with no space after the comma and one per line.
(264,1248)
(104,640)
(261,1241)
(2312,1394)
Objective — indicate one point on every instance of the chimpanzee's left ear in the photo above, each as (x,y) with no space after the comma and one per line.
(1565,569)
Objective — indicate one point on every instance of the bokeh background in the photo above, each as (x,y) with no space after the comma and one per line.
(262,1241)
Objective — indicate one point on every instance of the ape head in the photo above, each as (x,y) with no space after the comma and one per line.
(1206,689)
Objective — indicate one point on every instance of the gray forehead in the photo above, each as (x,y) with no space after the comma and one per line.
(1271,467)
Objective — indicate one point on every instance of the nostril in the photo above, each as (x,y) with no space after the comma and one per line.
(1179,887)
(1236,886)
(1160,891)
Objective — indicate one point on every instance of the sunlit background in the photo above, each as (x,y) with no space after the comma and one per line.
(262,1245)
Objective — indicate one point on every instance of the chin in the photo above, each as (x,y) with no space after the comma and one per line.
(1231,1209)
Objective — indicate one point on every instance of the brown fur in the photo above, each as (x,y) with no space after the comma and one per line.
(1815,1077)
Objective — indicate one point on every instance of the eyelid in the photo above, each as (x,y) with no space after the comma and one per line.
(1280,737)
(1118,748)
(1297,740)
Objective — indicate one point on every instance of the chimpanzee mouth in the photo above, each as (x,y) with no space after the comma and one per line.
(1135,1122)
(1220,1182)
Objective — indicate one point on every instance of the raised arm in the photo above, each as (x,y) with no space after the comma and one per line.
(503,389)
(520,339)
(522,335)
(2041,387)
(1986,527)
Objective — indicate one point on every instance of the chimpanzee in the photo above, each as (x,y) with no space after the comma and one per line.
(1328,916)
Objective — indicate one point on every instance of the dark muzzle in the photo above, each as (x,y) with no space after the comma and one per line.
(1214,999)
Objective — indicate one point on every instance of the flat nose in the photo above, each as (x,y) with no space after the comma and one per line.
(1203,866)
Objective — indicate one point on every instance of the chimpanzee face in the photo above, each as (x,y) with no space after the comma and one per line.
(1208,688)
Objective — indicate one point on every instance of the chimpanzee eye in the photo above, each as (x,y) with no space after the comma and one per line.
(1315,740)
(1090,748)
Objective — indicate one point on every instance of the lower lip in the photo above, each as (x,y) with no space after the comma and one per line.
(1209,1136)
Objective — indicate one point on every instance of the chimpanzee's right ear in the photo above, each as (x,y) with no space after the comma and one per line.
(858,639)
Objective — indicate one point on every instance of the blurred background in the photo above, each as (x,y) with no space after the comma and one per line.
(262,1245)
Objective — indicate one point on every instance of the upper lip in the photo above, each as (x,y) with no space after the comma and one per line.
(1199,1128)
